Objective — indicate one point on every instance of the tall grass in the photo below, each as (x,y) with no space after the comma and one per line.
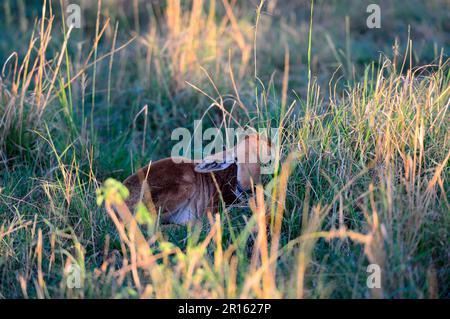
(363,161)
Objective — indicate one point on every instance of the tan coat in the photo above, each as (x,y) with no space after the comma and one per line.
(184,191)
(179,191)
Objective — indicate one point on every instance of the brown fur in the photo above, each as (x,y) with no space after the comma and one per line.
(169,186)
(181,192)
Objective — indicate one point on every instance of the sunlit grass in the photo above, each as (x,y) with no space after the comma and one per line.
(362,164)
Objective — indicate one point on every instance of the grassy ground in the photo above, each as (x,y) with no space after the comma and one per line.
(364,150)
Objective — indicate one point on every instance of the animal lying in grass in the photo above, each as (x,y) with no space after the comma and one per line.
(185,191)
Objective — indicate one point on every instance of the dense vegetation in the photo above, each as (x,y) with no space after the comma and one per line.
(364,147)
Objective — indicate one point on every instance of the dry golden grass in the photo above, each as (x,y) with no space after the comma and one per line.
(362,166)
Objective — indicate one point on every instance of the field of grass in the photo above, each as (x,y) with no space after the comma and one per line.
(363,158)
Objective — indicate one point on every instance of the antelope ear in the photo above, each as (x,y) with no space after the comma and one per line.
(211,166)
